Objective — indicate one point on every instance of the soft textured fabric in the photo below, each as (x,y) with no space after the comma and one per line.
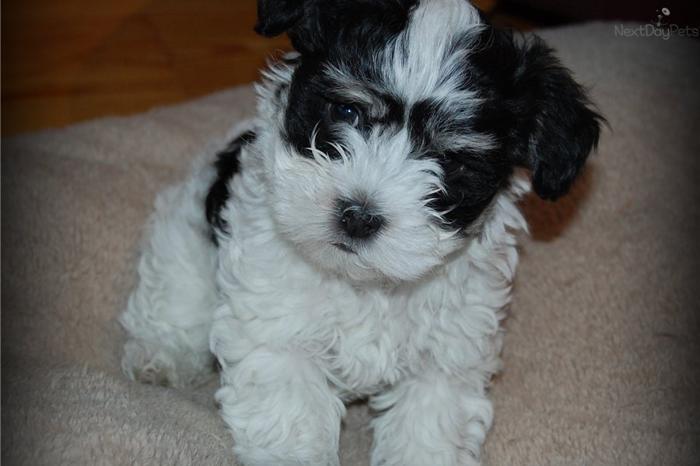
(602,354)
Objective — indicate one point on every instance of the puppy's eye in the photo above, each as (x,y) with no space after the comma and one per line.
(345,113)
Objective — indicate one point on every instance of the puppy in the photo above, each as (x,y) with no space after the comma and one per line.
(358,239)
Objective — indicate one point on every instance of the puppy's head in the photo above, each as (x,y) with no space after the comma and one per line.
(398,123)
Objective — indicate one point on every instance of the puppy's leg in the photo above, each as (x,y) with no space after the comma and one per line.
(433,419)
(278,405)
(169,314)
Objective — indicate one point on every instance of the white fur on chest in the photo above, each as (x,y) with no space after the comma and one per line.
(363,336)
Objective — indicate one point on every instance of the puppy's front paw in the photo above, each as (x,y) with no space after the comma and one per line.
(277,430)
(281,411)
(145,364)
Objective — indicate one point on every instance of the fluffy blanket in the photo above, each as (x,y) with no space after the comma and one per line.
(602,360)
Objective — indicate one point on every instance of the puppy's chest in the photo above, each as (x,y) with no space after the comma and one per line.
(452,324)
(369,343)
(381,339)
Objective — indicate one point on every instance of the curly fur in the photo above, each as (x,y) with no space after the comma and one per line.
(303,318)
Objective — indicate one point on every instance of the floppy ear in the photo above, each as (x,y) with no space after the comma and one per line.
(300,19)
(541,115)
(278,16)
(564,129)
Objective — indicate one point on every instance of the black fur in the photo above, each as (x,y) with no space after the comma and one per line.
(316,26)
(531,106)
(277,16)
(227,164)
(540,117)
(422,113)
(340,32)
(471,178)
(539,114)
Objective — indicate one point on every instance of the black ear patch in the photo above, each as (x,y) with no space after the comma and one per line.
(315,26)
(301,19)
(278,16)
(566,129)
(542,117)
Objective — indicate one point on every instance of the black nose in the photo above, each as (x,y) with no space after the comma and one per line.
(358,220)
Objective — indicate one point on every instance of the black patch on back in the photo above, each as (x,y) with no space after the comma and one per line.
(227,165)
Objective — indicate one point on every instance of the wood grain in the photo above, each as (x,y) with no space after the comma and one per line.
(65,61)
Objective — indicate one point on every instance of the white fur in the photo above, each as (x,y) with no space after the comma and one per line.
(411,321)
(169,314)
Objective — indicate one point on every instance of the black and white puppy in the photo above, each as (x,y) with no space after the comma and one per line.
(359,239)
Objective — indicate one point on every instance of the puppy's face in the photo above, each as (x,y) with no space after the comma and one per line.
(398,123)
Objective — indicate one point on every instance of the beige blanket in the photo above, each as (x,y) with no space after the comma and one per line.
(602,360)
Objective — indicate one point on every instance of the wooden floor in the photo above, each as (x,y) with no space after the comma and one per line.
(65,61)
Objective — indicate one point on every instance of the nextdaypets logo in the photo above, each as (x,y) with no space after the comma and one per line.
(658,27)
(661,16)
